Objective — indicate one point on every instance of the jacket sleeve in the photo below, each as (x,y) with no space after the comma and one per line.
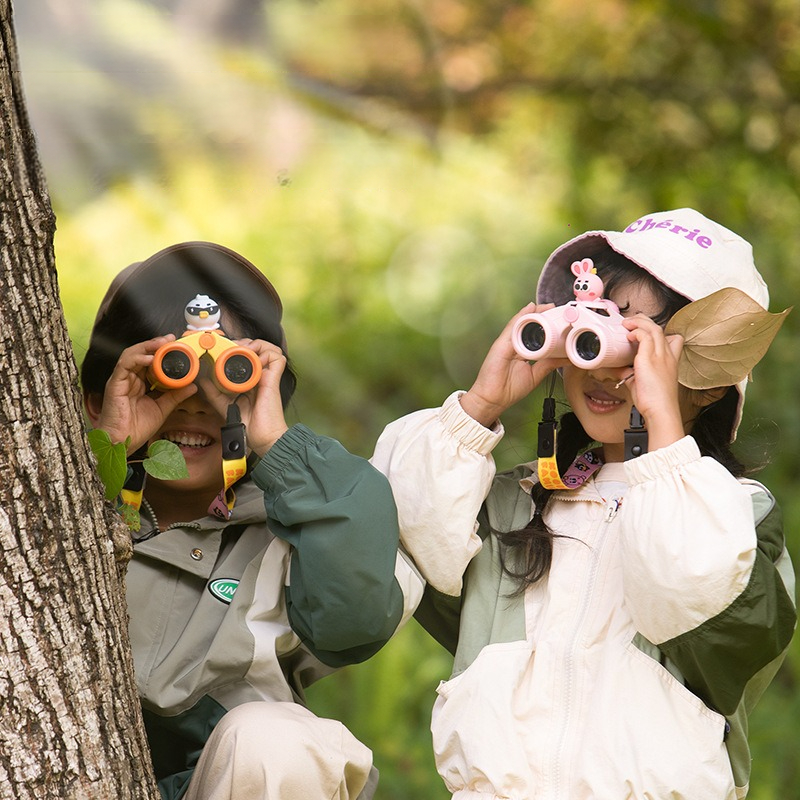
(706,574)
(349,587)
(439,465)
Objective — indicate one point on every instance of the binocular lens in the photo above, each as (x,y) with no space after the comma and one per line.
(532,336)
(238,369)
(587,346)
(175,365)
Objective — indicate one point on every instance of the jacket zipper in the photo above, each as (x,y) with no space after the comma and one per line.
(611,508)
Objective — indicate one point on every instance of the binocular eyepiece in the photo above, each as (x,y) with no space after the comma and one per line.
(177,364)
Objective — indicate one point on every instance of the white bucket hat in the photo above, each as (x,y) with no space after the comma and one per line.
(684,250)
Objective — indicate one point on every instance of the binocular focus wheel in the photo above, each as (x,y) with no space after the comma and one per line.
(237,370)
(175,365)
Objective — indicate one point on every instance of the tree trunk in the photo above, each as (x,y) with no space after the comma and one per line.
(70,721)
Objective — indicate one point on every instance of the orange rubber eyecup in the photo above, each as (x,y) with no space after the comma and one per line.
(237,370)
(175,365)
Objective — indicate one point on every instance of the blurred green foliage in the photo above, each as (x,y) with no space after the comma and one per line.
(401,170)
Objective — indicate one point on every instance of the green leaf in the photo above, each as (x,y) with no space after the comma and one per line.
(130,516)
(725,335)
(112,465)
(165,461)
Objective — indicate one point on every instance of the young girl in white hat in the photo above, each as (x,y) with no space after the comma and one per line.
(615,617)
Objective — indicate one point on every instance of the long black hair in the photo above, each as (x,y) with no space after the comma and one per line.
(529,551)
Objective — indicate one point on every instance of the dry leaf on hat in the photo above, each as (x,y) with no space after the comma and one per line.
(725,335)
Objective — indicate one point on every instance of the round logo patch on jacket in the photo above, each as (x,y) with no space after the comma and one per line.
(223,588)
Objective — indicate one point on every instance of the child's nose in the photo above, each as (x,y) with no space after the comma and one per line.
(613,375)
(197,403)
(199,400)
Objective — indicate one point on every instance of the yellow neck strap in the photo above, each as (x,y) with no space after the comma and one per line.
(547,467)
(234,462)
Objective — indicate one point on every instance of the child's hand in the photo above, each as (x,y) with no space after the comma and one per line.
(261,408)
(654,387)
(504,377)
(129,408)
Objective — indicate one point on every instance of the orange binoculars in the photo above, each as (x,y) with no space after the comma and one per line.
(177,364)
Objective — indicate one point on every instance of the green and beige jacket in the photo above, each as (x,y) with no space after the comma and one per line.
(627,672)
(304,578)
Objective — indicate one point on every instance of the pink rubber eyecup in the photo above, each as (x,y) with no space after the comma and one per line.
(541,334)
(600,344)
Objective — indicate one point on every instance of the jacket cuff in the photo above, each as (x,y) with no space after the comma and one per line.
(283,453)
(652,465)
(466,430)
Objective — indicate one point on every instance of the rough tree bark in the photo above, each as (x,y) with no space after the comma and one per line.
(70,722)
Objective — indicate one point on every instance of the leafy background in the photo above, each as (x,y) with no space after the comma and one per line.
(401,169)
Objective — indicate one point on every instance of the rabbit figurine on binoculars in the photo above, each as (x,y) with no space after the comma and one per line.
(177,364)
(587,330)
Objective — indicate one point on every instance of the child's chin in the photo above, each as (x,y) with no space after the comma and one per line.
(203,460)
(202,473)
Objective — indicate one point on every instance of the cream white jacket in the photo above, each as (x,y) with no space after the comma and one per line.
(627,672)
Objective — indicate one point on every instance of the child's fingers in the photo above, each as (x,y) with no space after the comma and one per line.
(167,402)
(675,343)
(642,324)
(262,410)
(147,347)
(273,361)
(132,359)
(531,308)
(138,357)
(648,335)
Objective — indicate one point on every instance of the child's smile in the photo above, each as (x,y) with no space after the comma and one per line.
(196,434)
(195,427)
(604,412)
(188,439)
(599,401)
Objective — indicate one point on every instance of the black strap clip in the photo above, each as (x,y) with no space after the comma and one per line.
(233,435)
(546,443)
(635,436)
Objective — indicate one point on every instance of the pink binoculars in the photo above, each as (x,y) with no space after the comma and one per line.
(587,330)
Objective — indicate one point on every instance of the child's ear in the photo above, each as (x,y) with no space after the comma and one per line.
(93,403)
